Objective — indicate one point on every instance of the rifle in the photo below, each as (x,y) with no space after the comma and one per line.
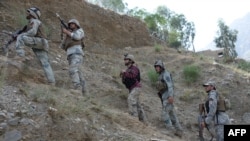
(201,118)
(13,38)
(63,24)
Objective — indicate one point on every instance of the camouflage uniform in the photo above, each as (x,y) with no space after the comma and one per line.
(72,45)
(219,118)
(33,38)
(165,87)
(131,79)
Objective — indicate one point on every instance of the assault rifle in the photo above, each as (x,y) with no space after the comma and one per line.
(13,38)
(201,118)
(63,24)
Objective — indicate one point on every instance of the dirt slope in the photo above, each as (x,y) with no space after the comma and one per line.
(34,111)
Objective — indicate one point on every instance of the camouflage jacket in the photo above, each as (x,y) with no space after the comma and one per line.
(213,115)
(165,80)
(76,36)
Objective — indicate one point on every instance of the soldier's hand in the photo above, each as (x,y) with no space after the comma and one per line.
(203,125)
(170,100)
(121,73)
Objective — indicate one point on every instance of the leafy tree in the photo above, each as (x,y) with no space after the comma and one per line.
(226,39)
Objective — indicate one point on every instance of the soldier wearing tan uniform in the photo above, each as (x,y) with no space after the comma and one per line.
(73,45)
(33,37)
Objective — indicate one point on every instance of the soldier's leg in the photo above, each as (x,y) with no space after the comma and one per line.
(140,110)
(174,119)
(75,60)
(44,59)
(165,115)
(31,42)
(20,43)
(133,102)
(219,130)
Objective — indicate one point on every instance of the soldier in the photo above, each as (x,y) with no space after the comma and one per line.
(165,89)
(214,114)
(33,38)
(131,79)
(73,45)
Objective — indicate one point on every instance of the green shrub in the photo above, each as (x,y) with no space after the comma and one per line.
(244,65)
(191,73)
(157,48)
(153,76)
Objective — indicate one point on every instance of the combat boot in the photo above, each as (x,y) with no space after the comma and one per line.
(179,133)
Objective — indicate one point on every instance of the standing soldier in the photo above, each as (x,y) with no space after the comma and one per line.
(215,113)
(165,89)
(73,45)
(32,36)
(131,79)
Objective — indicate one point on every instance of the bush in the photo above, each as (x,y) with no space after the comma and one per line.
(191,73)
(153,76)
(244,65)
(157,48)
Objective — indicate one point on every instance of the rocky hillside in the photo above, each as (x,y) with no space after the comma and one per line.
(30,110)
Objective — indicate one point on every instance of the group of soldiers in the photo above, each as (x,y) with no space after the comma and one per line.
(32,37)
(215,117)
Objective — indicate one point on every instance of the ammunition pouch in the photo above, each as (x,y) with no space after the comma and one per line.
(221,105)
(161,86)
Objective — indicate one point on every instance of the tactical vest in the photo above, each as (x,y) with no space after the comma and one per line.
(69,42)
(221,105)
(39,32)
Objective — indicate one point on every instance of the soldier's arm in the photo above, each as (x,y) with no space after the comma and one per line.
(33,31)
(78,35)
(212,108)
(131,73)
(168,81)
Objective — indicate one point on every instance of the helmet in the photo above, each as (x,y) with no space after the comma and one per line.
(159,63)
(129,56)
(74,21)
(209,83)
(35,12)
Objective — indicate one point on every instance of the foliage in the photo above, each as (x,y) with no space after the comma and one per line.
(21,20)
(244,65)
(191,73)
(157,48)
(164,24)
(226,39)
(153,76)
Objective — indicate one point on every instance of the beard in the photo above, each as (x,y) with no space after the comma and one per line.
(28,17)
(127,63)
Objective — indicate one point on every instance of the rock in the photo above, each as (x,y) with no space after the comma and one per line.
(2,116)
(14,121)
(14,135)
(246,117)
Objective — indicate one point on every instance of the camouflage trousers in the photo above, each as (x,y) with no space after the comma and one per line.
(169,116)
(75,73)
(37,45)
(219,131)
(134,105)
